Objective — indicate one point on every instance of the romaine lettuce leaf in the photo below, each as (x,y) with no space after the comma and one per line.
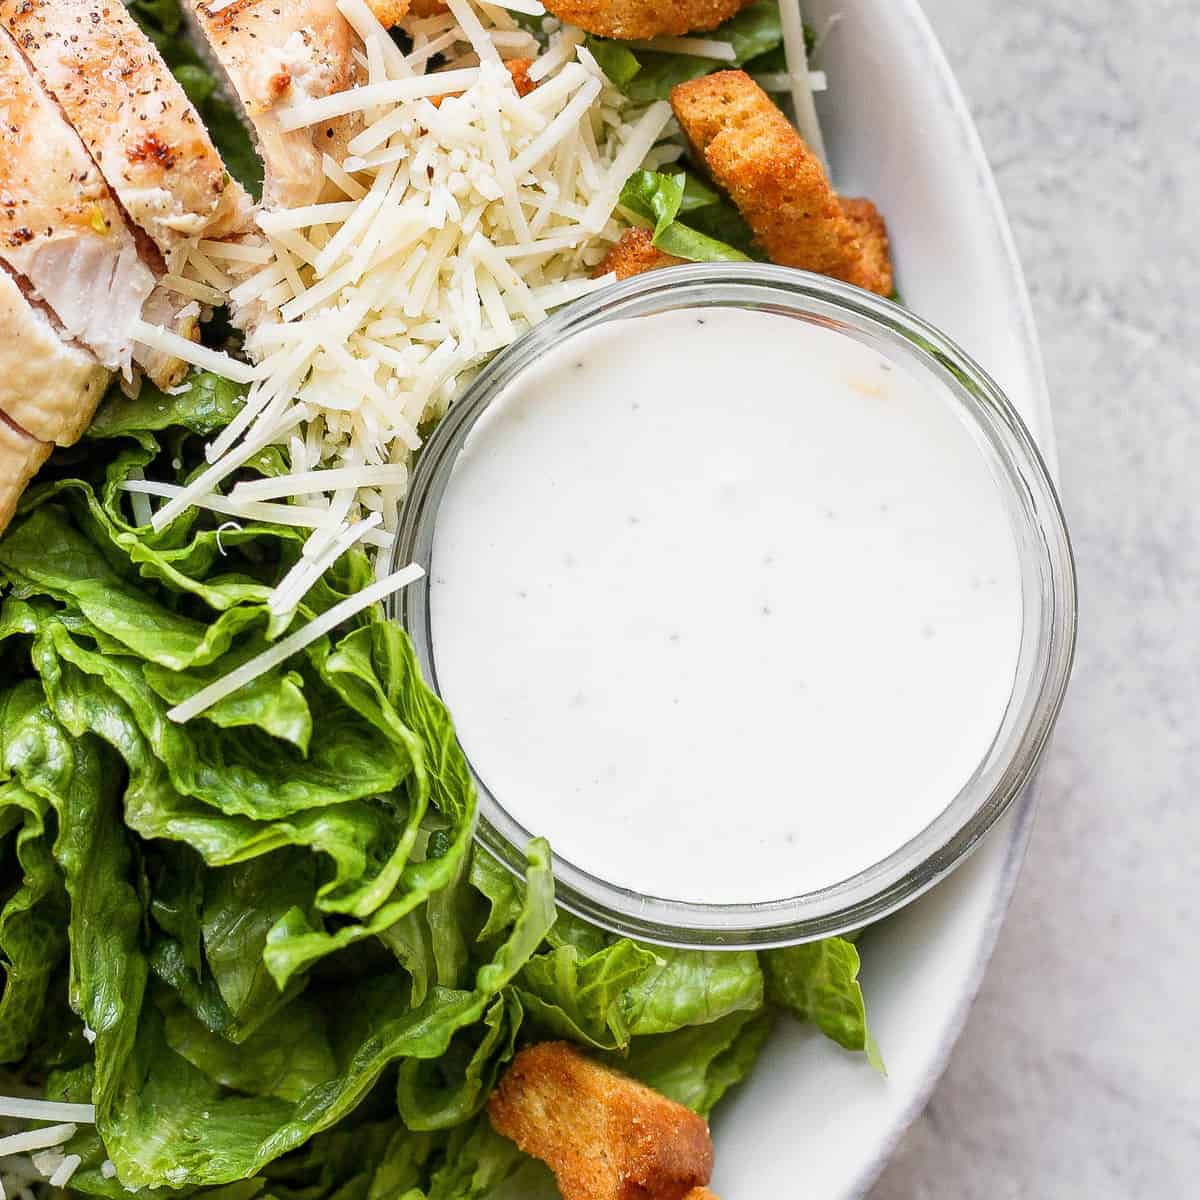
(286,1058)
(108,970)
(33,920)
(698,1065)
(659,198)
(693,987)
(444,1092)
(818,982)
(373,1024)
(585,998)
(206,404)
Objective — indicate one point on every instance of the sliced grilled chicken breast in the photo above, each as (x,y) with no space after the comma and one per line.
(63,232)
(48,386)
(271,55)
(60,227)
(132,115)
(21,457)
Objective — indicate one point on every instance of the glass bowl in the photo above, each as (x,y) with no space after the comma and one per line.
(1047,587)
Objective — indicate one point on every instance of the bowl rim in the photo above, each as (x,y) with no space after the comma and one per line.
(919,864)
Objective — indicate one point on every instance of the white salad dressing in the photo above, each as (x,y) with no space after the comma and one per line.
(724,604)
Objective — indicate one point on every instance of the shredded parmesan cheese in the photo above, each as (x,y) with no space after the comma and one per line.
(461,214)
(45,1110)
(38,1139)
(458,215)
(64,1171)
(163,340)
(804,109)
(698,47)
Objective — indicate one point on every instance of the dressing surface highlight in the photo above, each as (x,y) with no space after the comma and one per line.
(725,605)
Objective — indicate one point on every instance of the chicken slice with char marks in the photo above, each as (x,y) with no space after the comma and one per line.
(273,55)
(64,234)
(133,116)
(60,227)
(48,386)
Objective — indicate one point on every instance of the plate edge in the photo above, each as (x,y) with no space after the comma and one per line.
(1025,813)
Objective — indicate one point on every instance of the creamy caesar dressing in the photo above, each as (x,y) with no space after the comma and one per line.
(724,604)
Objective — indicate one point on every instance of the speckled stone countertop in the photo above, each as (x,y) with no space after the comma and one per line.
(1079,1071)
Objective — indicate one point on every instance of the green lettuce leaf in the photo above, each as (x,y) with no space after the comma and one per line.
(754,31)
(241,772)
(242,904)
(206,404)
(696,1066)
(155,809)
(286,1058)
(46,553)
(378,1161)
(693,987)
(33,919)
(615,58)
(176,877)
(586,999)
(448,1091)
(818,982)
(502,891)
(374,1025)
(658,73)
(659,198)
(108,970)
(476,1162)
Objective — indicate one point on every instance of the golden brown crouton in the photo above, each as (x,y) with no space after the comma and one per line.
(872,233)
(700,1194)
(392,12)
(389,12)
(645,18)
(605,1137)
(518,68)
(779,185)
(633,253)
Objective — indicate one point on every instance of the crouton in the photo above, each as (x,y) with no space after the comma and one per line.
(777,183)
(518,68)
(605,1137)
(389,12)
(392,12)
(633,253)
(630,19)
(876,263)
(700,1194)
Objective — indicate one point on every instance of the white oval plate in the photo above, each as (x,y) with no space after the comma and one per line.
(813,1121)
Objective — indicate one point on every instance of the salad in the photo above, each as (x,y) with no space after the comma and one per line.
(247,946)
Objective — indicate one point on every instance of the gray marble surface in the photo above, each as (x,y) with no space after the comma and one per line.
(1079,1071)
